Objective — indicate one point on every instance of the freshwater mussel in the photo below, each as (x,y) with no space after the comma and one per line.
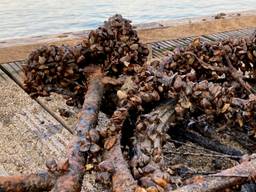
(115,46)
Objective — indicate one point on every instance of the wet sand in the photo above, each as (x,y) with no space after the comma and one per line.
(18,49)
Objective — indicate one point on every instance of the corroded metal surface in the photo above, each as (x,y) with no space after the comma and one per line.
(83,142)
(30,183)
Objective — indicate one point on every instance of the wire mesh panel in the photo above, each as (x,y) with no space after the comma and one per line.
(161,47)
(231,34)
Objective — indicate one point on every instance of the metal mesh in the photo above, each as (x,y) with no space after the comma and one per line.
(159,48)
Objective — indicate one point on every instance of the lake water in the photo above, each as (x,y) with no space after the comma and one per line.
(19,18)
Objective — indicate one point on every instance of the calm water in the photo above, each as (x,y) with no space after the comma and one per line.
(20,18)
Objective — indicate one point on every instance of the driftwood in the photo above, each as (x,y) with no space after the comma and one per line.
(147,164)
(218,182)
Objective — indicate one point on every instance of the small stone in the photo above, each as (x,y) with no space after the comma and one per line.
(63,165)
(89,167)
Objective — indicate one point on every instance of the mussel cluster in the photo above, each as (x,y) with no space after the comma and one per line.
(213,86)
(209,84)
(114,46)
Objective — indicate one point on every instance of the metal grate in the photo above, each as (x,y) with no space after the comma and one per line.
(159,48)
(3,76)
(14,71)
(231,34)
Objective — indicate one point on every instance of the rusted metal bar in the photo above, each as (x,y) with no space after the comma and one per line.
(234,176)
(28,183)
(122,179)
(83,142)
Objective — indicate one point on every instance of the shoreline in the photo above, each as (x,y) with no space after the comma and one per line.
(19,48)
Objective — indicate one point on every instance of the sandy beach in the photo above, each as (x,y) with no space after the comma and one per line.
(18,49)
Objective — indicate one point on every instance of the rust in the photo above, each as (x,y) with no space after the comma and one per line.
(122,179)
(82,144)
(28,183)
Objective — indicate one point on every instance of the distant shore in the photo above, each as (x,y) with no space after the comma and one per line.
(18,49)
